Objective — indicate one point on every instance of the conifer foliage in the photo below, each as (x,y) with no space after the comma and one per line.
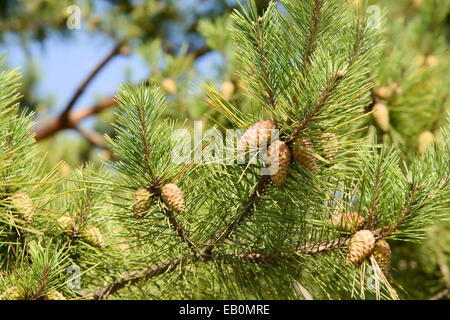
(147,226)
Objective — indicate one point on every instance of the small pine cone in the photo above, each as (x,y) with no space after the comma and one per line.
(348,221)
(227,89)
(426,138)
(279,157)
(384,93)
(169,85)
(330,146)
(12,293)
(93,236)
(54,295)
(382,254)
(22,203)
(141,202)
(301,151)
(258,132)
(381,116)
(66,223)
(361,244)
(431,61)
(172,196)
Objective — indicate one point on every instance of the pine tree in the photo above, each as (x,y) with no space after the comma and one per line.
(225,230)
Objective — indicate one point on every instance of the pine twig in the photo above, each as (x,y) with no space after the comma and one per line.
(312,36)
(178,228)
(75,117)
(247,208)
(331,86)
(263,61)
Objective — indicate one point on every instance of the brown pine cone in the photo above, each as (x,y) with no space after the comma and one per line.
(22,203)
(330,146)
(172,196)
(426,138)
(66,223)
(361,244)
(381,116)
(382,254)
(54,295)
(348,221)
(227,89)
(141,202)
(301,151)
(279,157)
(258,132)
(93,236)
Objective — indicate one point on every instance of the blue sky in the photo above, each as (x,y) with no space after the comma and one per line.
(64,62)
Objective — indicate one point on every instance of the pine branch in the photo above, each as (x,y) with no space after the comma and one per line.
(114,52)
(69,119)
(247,208)
(263,61)
(132,278)
(409,206)
(170,265)
(178,228)
(55,125)
(42,281)
(144,136)
(372,220)
(312,35)
(331,86)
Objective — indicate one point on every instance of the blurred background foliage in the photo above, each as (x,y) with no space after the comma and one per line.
(181,43)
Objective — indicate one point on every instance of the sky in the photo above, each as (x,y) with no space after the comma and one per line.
(65,62)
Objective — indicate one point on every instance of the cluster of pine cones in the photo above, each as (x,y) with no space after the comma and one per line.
(89,233)
(171,195)
(302,149)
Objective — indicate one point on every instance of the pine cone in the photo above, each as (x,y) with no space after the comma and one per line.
(172,196)
(301,151)
(227,89)
(141,202)
(257,133)
(431,61)
(384,93)
(169,85)
(66,223)
(279,157)
(381,116)
(22,203)
(348,221)
(330,146)
(361,244)
(382,254)
(12,293)
(93,236)
(54,295)
(426,138)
